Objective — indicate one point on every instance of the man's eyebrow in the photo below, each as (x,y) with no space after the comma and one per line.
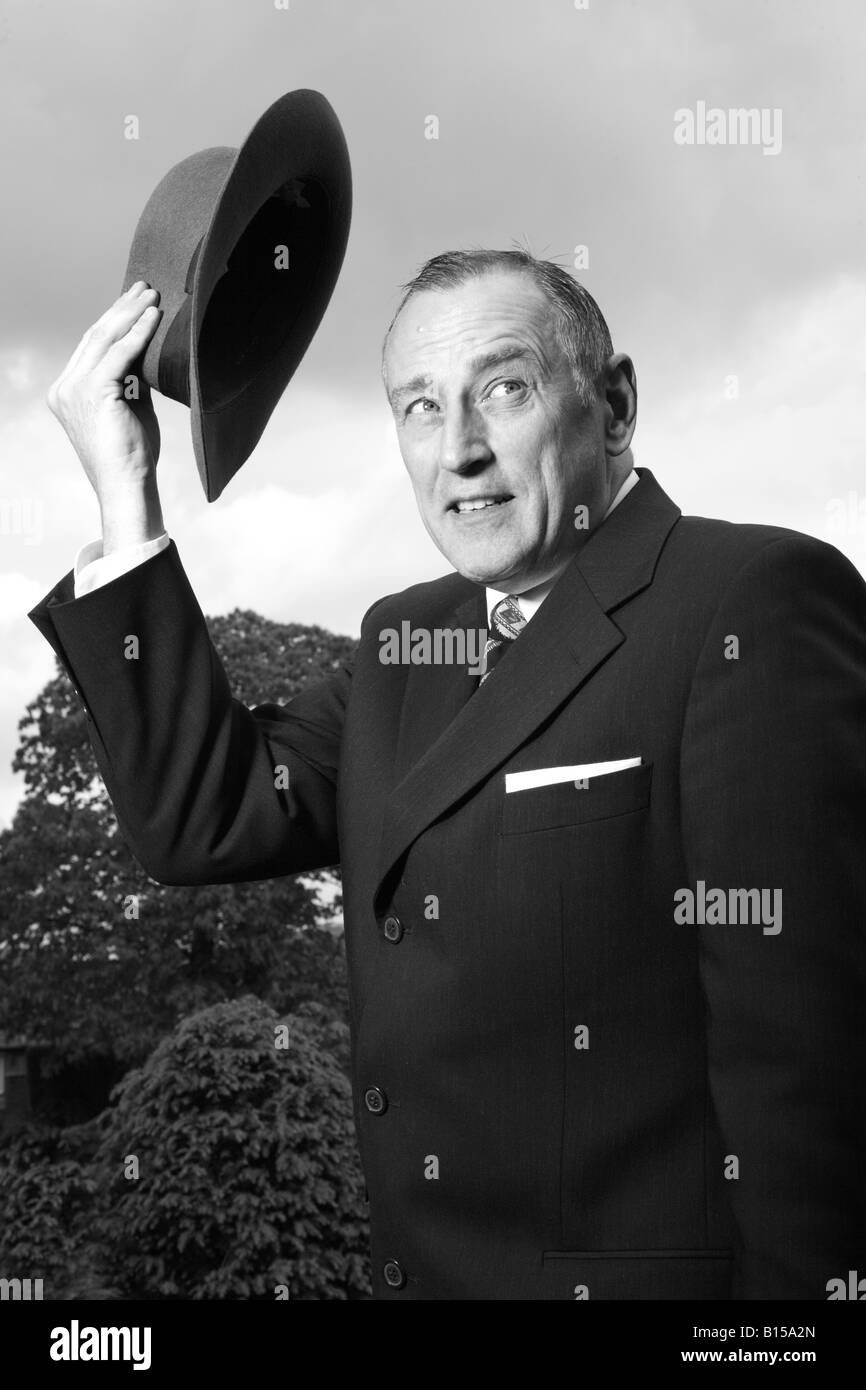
(497,357)
(416,383)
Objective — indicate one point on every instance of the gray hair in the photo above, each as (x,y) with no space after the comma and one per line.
(578,322)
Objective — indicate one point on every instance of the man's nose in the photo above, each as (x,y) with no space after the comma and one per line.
(463,441)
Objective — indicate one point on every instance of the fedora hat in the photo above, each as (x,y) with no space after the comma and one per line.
(244,246)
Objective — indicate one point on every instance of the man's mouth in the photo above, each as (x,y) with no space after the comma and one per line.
(478,504)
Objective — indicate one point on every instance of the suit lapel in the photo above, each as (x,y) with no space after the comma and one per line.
(434,695)
(453,735)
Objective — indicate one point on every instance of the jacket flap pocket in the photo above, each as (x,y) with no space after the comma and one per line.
(638,1274)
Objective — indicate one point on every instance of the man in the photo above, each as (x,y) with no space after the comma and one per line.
(607,1016)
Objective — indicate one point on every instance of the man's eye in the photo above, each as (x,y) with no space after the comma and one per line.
(505,388)
(418,407)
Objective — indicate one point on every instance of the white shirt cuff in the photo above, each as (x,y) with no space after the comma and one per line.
(92,569)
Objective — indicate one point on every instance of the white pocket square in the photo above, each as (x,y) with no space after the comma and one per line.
(546,776)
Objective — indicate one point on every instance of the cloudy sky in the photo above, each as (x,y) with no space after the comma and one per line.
(734,277)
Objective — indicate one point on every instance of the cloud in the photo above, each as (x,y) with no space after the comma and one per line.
(790,443)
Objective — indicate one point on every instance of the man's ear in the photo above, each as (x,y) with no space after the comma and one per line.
(620,396)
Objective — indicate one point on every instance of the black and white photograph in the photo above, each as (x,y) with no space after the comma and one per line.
(433,776)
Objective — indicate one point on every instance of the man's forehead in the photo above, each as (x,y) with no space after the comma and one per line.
(477,302)
(474,324)
(498,355)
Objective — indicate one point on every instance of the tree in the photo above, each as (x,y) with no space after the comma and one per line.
(98,962)
(228,1168)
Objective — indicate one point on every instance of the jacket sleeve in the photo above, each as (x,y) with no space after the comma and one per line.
(773,782)
(197,780)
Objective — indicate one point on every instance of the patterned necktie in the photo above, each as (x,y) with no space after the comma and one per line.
(507,623)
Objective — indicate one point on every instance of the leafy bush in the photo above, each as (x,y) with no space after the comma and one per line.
(248,1177)
(46,1202)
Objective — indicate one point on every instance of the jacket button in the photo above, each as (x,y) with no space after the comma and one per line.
(375,1100)
(392,928)
(393,1275)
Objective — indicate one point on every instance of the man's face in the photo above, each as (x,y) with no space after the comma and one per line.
(499,449)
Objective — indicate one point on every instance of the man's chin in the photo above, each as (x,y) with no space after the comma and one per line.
(488,570)
(479,549)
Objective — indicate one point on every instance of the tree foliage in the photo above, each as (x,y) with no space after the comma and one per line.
(97,960)
(225,1168)
(47,1202)
(247,1175)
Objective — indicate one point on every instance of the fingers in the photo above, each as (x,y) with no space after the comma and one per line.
(110,345)
(121,353)
(88,335)
(87,346)
(110,327)
(133,313)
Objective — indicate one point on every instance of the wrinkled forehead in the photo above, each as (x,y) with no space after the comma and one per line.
(443,331)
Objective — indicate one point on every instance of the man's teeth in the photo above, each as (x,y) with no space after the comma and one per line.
(481,502)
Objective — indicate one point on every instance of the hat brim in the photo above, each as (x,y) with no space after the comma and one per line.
(298,141)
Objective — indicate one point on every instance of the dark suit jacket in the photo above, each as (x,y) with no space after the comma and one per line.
(562,1170)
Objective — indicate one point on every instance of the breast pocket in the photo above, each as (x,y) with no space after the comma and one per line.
(565,803)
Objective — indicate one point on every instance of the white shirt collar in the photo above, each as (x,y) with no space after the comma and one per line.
(532,599)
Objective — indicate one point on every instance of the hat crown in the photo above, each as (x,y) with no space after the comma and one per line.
(176,216)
